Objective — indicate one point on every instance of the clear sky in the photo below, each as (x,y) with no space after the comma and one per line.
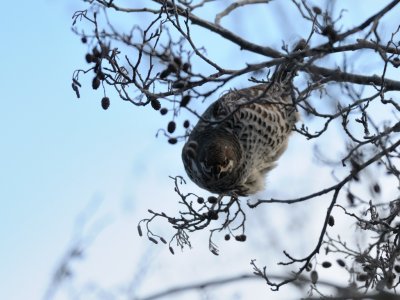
(58,154)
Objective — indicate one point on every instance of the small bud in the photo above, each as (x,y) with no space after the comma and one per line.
(186,124)
(341,263)
(172,68)
(178,84)
(155,103)
(84,39)
(317,10)
(200,200)
(227,237)
(171,127)
(163,111)
(212,199)
(331,221)
(164,74)
(326,264)
(95,83)
(185,101)
(172,141)
(105,103)
(314,277)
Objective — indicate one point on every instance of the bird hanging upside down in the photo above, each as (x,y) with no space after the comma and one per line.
(239,138)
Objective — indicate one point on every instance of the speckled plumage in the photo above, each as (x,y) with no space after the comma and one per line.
(240,137)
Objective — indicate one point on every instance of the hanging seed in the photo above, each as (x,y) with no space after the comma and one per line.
(95,83)
(326,264)
(164,74)
(89,58)
(163,111)
(105,103)
(84,39)
(227,237)
(314,277)
(200,200)
(155,103)
(178,84)
(185,101)
(241,238)
(171,127)
(172,141)
(178,61)
(186,67)
(341,263)
(186,124)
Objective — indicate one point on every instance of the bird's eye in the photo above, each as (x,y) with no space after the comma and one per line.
(225,162)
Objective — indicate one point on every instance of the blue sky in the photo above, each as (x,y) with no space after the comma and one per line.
(59,153)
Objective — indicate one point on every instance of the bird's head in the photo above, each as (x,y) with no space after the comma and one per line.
(213,158)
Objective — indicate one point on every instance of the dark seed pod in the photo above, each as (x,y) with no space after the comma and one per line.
(212,199)
(185,101)
(164,74)
(241,238)
(105,103)
(186,124)
(163,111)
(171,127)
(84,39)
(331,221)
(314,277)
(178,84)
(326,264)
(172,141)
(139,230)
(177,61)
(186,67)
(163,240)
(397,268)
(155,103)
(95,83)
(89,58)
(317,10)
(227,237)
(171,250)
(101,75)
(172,68)
(200,200)
(341,263)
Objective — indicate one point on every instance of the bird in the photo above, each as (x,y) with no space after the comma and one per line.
(240,137)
